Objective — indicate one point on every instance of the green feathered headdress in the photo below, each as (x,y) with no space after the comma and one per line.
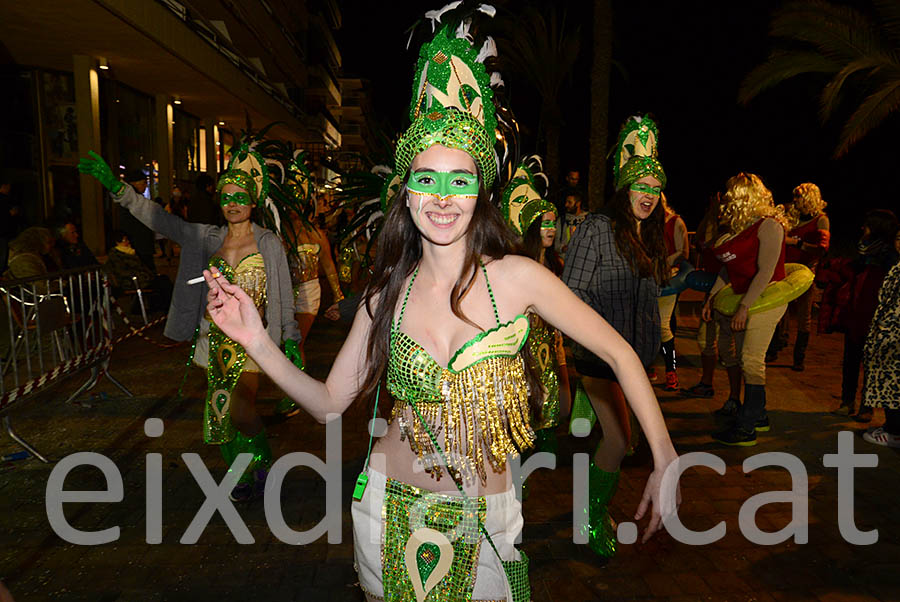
(452,102)
(522,201)
(636,153)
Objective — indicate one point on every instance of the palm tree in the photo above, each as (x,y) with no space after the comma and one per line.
(858,51)
(600,69)
(542,48)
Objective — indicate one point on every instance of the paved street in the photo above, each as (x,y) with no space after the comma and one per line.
(36,564)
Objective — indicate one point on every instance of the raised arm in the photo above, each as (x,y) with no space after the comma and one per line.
(234,312)
(146,211)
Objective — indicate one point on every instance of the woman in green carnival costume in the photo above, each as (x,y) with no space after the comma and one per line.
(616,263)
(533,218)
(443,324)
(247,255)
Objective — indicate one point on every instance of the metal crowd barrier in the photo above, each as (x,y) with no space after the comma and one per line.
(60,326)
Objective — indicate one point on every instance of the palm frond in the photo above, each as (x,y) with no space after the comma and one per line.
(889,16)
(870,114)
(780,66)
(831,95)
(838,32)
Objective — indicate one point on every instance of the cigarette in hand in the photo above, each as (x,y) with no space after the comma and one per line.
(196,280)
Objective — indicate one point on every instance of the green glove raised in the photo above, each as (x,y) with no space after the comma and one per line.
(97,167)
(292,351)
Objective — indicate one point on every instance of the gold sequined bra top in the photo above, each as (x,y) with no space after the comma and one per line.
(308,269)
(249,274)
(479,402)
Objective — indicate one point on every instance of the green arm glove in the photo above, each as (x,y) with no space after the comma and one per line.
(292,351)
(97,167)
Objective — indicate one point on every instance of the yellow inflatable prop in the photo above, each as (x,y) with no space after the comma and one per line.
(797,280)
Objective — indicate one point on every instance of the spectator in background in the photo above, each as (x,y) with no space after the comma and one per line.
(851,297)
(72,252)
(124,266)
(27,252)
(141,236)
(203,208)
(575,214)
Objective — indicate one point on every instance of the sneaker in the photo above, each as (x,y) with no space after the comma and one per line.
(729,408)
(736,436)
(879,436)
(762,425)
(699,390)
(671,381)
(286,407)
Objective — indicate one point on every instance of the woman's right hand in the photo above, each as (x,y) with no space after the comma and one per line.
(232,309)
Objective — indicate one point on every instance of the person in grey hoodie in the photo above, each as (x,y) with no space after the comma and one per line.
(249,256)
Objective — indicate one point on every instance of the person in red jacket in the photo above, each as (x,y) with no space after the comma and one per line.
(851,296)
(752,256)
(806,242)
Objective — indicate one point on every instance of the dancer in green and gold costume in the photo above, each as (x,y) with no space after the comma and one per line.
(533,218)
(251,257)
(443,325)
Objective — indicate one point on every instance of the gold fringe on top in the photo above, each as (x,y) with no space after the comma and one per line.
(483,408)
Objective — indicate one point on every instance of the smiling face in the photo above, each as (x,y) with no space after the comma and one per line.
(548,229)
(644,196)
(442,192)
(236,203)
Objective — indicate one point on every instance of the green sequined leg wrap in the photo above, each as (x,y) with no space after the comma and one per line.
(258,446)
(226,361)
(601,528)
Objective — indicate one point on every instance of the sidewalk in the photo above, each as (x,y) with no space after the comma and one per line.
(37,565)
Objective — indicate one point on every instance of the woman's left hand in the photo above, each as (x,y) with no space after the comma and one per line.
(659,499)
(739,321)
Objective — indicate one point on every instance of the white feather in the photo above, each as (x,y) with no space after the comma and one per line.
(435,15)
(382,170)
(271,207)
(487,9)
(277,165)
(496,80)
(543,177)
(488,49)
(463,31)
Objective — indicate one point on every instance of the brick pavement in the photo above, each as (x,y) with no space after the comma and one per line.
(37,565)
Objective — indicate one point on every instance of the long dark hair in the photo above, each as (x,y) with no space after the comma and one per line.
(646,253)
(534,245)
(398,254)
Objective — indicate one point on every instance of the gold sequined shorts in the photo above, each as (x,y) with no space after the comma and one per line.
(503,522)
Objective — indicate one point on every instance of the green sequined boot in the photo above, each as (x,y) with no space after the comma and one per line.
(252,482)
(601,528)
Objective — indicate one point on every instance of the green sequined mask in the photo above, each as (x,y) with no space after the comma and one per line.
(238,198)
(443,184)
(642,188)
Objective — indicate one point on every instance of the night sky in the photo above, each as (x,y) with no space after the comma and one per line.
(682,61)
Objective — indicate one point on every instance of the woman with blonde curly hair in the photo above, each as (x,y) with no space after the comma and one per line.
(752,256)
(806,242)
